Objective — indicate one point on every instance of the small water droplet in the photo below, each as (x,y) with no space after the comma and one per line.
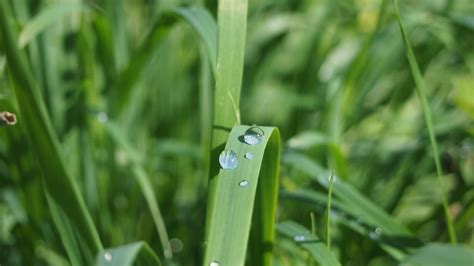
(228,159)
(332,178)
(102,117)
(214,263)
(244,183)
(108,256)
(378,231)
(248,156)
(299,238)
(253,135)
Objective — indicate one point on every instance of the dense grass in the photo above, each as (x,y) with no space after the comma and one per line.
(123,107)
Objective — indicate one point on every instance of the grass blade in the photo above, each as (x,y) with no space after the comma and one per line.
(138,253)
(328,211)
(67,205)
(421,91)
(47,18)
(310,242)
(205,25)
(233,203)
(436,254)
(145,185)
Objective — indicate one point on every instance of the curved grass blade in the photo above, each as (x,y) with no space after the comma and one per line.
(49,16)
(308,241)
(421,91)
(66,203)
(435,254)
(145,185)
(198,18)
(237,197)
(138,253)
(205,25)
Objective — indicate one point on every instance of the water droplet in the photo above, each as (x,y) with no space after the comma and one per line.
(228,159)
(332,178)
(253,135)
(176,245)
(299,238)
(108,256)
(248,156)
(244,183)
(378,231)
(102,117)
(214,263)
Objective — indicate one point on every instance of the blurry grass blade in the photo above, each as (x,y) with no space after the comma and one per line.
(138,253)
(145,185)
(68,205)
(436,254)
(205,25)
(421,91)
(328,211)
(310,242)
(236,194)
(48,17)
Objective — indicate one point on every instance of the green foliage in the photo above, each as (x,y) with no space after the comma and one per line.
(123,108)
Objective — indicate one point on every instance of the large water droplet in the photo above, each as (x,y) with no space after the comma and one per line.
(244,183)
(299,238)
(248,156)
(108,256)
(214,263)
(228,159)
(253,135)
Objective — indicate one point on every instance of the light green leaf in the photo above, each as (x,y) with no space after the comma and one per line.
(437,254)
(249,188)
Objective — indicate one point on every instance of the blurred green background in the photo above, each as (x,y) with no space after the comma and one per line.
(330,74)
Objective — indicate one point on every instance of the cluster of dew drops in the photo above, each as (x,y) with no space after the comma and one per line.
(228,158)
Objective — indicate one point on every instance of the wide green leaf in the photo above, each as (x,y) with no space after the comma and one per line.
(249,188)
(437,254)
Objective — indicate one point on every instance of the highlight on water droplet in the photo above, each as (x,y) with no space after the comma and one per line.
(214,263)
(244,183)
(102,117)
(253,135)
(108,256)
(228,159)
(378,231)
(299,238)
(248,156)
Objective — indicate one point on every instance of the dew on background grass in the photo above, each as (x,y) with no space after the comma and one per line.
(228,159)
(248,156)
(376,233)
(214,263)
(108,256)
(253,135)
(299,238)
(102,117)
(244,183)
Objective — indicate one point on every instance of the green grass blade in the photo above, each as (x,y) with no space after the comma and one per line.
(421,91)
(328,211)
(138,253)
(233,204)
(205,25)
(67,205)
(48,17)
(145,185)
(308,241)
(232,23)
(436,254)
